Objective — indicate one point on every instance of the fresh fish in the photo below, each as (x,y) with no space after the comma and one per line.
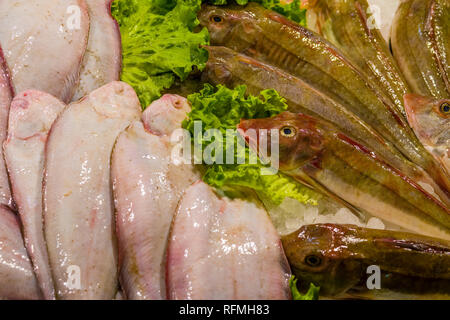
(17,280)
(44,42)
(77,195)
(6,94)
(147,187)
(337,257)
(314,149)
(224,249)
(420,42)
(430,119)
(351,26)
(103,59)
(230,68)
(30,119)
(271,38)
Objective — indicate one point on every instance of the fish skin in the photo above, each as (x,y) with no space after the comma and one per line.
(31,116)
(147,186)
(431,124)
(77,192)
(353,173)
(347,24)
(409,263)
(34,33)
(419,41)
(17,280)
(103,58)
(6,96)
(223,249)
(231,68)
(270,37)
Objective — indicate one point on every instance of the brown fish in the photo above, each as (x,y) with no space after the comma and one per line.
(338,257)
(430,120)
(310,149)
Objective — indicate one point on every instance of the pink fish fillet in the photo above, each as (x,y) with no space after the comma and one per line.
(17,280)
(147,188)
(6,94)
(31,116)
(44,42)
(224,249)
(78,204)
(103,59)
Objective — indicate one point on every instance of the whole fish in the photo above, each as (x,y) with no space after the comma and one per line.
(337,258)
(351,26)
(228,67)
(430,119)
(31,116)
(420,42)
(311,149)
(268,36)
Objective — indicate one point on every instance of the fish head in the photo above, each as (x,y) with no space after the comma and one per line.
(317,255)
(219,66)
(231,26)
(299,138)
(430,118)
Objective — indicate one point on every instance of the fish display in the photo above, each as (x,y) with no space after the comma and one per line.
(77,197)
(430,120)
(31,116)
(313,149)
(103,58)
(224,249)
(228,67)
(337,257)
(351,27)
(270,37)
(147,187)
(17,280)
(34,34)
(420,44)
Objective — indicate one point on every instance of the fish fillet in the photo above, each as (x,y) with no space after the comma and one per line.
(224,249)
(31,116)
(103,58)
(17,280)
(147,188)
(44,42)
(78,204)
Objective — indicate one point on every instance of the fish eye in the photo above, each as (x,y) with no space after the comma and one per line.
(288,131)
(313,260)
(445,108)
(216,19)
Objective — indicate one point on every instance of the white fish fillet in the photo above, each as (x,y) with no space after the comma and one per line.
(147,188)
(17,280)
(6,94)
(78,204)
(44,42)
(31,116)
(224,249)
(103,59)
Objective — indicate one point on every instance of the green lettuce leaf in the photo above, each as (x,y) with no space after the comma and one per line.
(222,108)
(312,294)
(159,43)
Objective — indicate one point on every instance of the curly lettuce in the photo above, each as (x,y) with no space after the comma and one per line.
(312,294)
(159,43)
(222,108)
